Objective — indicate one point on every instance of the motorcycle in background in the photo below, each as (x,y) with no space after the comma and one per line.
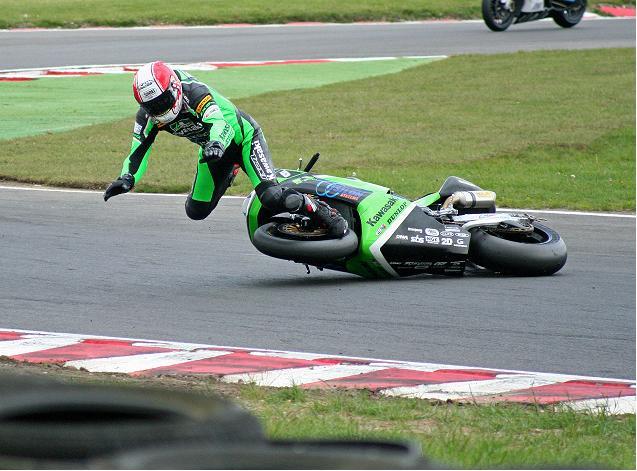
(500,14)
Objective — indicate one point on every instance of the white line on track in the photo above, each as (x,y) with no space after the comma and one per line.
(181,195)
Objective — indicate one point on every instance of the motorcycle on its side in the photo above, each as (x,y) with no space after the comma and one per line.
(500,14)
(392,236)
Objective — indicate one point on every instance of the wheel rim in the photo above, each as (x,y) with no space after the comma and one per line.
(501,14)
(294,231)
(538,236)
(574,13)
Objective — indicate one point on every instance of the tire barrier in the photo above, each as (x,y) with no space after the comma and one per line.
(45,423)
(51,425)
(275,455)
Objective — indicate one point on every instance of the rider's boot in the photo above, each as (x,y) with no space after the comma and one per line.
(318,211)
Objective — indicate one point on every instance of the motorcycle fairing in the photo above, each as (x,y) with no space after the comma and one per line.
(349,191)
(420,244)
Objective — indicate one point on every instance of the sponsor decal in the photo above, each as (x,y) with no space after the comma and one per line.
(372,221)
(381,229)
(413,229)
(260,162)
(446,241)
(150,93)
(401,237)
(412,265)
(452,228)
(432,239)
(210,111)
(201,104)
(463,234)
(138,128)
(333,190)
(432,232)
(417,239)
(185,127)
(447,234)
(397,212)
(145,84)
(460,241)
(285,173)
(225,134)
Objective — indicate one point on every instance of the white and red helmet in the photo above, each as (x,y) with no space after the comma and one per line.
(157,89)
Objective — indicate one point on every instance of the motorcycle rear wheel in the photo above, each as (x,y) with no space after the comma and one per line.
(275,241)
(542,252)
(569,17)
(495,16)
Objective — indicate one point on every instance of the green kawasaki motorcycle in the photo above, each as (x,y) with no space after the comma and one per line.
(392,236)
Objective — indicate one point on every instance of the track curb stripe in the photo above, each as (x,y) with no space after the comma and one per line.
(13,75)
(310,370)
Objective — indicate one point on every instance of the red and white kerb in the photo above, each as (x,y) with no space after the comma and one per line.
(157,89)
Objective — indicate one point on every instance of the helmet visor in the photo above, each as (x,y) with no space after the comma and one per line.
(160,104)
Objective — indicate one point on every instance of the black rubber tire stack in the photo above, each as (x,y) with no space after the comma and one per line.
(50,425)
(46,424)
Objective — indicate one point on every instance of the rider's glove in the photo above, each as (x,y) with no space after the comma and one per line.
(123,184)
(212,152)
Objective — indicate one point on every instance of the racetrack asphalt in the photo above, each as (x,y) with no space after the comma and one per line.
(23,49)
(138,267)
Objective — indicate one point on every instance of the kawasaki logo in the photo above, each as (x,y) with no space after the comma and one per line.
(397,212)
(372,221)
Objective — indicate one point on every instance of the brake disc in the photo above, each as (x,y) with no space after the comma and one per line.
(297,232)
(525,227)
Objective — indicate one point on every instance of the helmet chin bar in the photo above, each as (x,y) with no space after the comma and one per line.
(170,115)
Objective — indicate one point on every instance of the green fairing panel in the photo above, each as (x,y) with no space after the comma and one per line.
(355,182)
(253,215)
(428,200)
(377,212)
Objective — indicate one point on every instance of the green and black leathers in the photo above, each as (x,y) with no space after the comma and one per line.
(206,117)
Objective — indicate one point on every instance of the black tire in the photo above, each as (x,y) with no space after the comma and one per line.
(268,240)
(44,422)
(274,455)
(541,253)
(569,17)
(496,17)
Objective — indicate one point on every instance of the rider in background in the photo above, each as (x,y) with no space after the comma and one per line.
(174,101)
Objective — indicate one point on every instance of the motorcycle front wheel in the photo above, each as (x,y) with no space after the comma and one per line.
(569,17)
(541,252)
(279,241)
(497,16)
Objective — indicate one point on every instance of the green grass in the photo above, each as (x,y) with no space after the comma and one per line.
(503,436)
(76,13)
(520,124)
(83,101)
